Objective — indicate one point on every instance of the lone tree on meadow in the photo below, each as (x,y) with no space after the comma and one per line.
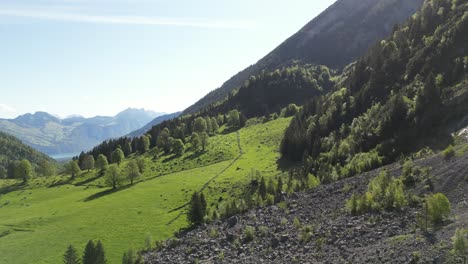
(113,177)
(197,208)
(24,170)
(88,162)
(133,172)
(101,163)
(73,169)
(118,156)
(71,256)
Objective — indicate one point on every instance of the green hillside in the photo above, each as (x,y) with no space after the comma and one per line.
(50,213)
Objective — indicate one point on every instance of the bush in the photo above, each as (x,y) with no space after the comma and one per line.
(383,192)
(306,234)
(249,233)
(438,207)
(449,152)
(460,242)
(297,223)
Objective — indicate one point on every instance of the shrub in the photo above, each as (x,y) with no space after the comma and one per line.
(296,222)
(352,205)
(383,192)
(449,152)
(306,234)
(438,207)
(313,181)
(213,233)
(149,241)
(460,242)
(249,233)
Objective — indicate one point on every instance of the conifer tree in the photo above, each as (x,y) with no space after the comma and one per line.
(100,254)
(71,256)
(89,256)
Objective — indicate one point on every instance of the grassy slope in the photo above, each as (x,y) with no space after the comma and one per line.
(44,220)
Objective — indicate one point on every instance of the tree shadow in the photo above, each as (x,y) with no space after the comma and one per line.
(60,183)
(230,130)
(168,159)
(81,183)
(195,155)
(284,164)
(106,192)
(12,188)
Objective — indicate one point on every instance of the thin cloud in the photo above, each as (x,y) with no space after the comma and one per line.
(7,111)
(125,20)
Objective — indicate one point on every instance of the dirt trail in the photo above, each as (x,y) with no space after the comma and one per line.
(241,152)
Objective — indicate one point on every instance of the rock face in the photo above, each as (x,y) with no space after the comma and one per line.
(336,237)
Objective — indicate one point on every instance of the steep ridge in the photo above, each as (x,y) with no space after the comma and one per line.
(335,38)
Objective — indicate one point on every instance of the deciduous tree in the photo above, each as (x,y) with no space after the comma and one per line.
(113,176)
(24,170)
(118,156)
(133,172)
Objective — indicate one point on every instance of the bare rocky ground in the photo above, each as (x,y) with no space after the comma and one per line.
(335,236)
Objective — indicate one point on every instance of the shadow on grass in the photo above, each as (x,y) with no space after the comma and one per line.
(230,130)
(12,188)
(106,192)
(81,183)
(168,159)
(195,155)
(60,183)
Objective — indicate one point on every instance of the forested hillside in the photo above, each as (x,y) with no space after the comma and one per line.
(269,92)
(407,92)
(12,151)
(338,36)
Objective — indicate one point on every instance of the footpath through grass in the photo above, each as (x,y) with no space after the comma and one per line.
(38,221)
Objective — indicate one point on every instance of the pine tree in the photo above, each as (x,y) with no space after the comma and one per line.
(89,256)
(100,254)
(71,256)
(197,209)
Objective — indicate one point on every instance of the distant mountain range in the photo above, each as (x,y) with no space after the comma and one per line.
(335,38)
(156,121)
(55,136)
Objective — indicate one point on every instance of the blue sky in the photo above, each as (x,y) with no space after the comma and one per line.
(98,57)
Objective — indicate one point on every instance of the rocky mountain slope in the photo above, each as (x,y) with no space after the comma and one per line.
(335,38)
(53,136)
(334,236)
